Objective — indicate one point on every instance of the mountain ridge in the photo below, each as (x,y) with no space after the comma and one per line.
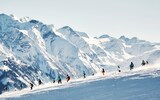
(31,50)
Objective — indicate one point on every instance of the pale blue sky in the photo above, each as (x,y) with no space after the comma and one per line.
(139,18)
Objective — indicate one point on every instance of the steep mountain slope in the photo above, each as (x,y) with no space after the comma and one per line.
(109,52)
(31,50)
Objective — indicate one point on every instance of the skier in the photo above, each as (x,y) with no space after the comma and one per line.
(31,86)
(119,70)
(53,80)
(5,62)
(131,66)
(39,82)
(5,89)
(84,74)
(143,63)
(146,62)
(21,86)
(59,80)
(103,71)
(68,78)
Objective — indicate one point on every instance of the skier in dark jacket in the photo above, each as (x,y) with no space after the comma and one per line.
(143,63)
(119,70)
(146,62)
(59,80)
(68,78)
(54,80)
(31,85)
(39,82)
(84,74)
(103,71)
(21,86)
(5,89)
(131,66)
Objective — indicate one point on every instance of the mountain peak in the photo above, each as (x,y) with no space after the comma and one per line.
(67,30)
(66,27)
(4,16)
(124,38)
(8,17)
(134,39)
(104,36)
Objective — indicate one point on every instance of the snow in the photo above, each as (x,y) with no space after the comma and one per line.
(141,84)
(4,68)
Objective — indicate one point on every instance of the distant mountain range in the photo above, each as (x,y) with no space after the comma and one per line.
(31,50)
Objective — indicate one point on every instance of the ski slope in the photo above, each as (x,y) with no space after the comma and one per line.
(141,83)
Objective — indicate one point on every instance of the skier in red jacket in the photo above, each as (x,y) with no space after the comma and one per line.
(68,78)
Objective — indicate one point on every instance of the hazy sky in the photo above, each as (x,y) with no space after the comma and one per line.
(139,18)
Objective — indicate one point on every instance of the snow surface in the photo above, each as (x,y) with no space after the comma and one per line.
(142,84)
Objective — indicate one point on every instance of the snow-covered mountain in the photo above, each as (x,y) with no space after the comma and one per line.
(31,50)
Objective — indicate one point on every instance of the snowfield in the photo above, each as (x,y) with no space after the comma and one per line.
(141,84)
